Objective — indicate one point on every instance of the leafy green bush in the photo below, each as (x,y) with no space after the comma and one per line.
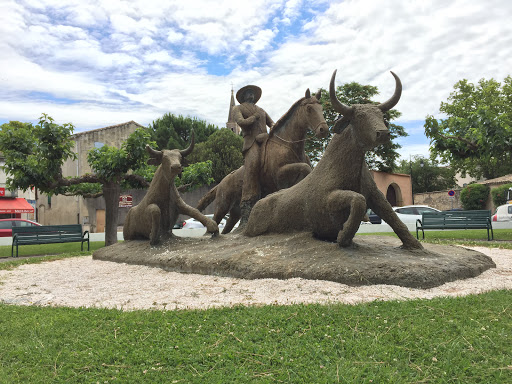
(196,175)
(474,196)
(499,194)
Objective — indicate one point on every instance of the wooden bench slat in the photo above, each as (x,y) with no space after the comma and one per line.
(49,234)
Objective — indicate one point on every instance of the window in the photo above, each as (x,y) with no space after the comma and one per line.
(421,210)
(5,224)
(510,209)
(406,211)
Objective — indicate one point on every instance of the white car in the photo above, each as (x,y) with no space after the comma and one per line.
(193,223)
(410,213)
(503,213)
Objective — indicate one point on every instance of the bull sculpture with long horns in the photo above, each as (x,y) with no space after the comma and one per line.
(332,200)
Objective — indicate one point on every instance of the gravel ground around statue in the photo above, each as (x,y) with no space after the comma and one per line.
(84,282)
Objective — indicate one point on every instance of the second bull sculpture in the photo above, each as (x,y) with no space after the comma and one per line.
(332,200)
(156,214)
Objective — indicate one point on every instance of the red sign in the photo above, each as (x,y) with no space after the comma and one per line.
(2,191)
(125,201)
(451,193)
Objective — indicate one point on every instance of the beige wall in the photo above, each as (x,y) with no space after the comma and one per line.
(72,209)
(439,199)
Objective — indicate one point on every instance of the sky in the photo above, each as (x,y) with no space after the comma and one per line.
(98,63)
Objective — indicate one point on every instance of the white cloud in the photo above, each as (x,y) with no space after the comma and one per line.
(138,59)
(174,37)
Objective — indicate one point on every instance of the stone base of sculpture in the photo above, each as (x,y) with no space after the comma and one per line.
(371,260)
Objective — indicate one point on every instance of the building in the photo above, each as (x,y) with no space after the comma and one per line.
(231,124)
(397,187)
(16,204)
(90,212)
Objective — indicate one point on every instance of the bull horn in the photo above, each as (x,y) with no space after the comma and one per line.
(188,151)
(336,104)
(387,105)
(308,94)
(318,95)
(153,152)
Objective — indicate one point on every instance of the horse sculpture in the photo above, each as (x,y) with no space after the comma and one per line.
(284,161)
(331,201)
(156,214)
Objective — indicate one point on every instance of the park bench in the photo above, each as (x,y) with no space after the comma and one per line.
(479,219)
(48,234)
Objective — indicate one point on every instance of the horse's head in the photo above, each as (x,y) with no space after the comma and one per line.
(312,113)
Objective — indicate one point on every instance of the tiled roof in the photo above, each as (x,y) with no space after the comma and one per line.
(112,126)
(499,180)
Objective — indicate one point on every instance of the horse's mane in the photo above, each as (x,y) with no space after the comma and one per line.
(282,121)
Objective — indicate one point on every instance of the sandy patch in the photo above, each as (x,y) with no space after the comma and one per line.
(84,282)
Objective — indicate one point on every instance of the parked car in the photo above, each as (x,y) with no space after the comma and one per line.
(178,225)
(7,224)
(503,213)
(193,223)
(374,218)
(410,213)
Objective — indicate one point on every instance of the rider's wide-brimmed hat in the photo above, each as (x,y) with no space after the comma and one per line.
(255,89)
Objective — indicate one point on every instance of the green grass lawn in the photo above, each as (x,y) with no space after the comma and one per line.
(50,249)
(462,340)
(444,340)
(471,237)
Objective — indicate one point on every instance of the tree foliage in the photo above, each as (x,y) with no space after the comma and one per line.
(500,194)
(224,149)
(113,164)
(34,156)
(476,136)
(383,157)
(195,175)
(170,131)
(474,196)
(427,175)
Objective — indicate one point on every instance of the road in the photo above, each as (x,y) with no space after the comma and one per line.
(364,228)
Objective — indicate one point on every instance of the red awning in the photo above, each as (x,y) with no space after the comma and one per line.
(16,205)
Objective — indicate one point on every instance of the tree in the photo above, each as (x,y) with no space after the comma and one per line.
(383,157)
(224,149)
(34,156)
(427,175)
(476,137)
(170,131)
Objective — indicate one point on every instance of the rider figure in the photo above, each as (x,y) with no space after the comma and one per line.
(254,121)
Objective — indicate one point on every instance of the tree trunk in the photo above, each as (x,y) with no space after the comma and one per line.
(111,192)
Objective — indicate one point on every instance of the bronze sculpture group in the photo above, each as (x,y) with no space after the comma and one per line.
(283,162)
(276,190)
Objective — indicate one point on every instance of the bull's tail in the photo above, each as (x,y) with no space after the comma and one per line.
(207,199)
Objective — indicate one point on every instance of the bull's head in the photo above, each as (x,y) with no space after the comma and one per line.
(170,159)
(367,119)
